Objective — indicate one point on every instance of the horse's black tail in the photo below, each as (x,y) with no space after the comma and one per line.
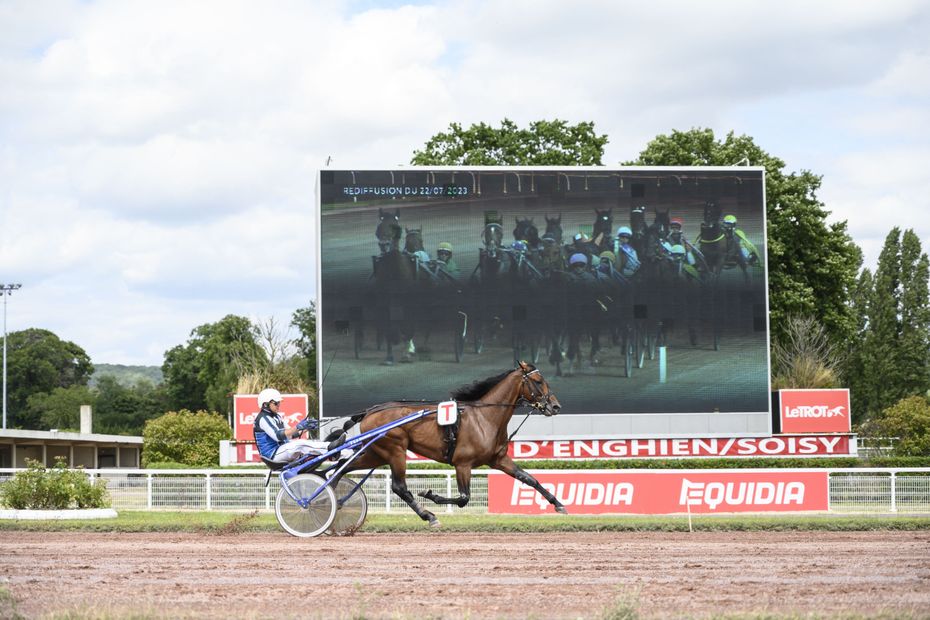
(352,421)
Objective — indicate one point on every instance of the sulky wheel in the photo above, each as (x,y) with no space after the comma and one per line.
(351,514)
(311,520)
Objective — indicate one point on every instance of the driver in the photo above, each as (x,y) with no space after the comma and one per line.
(746,247)
(445,261)
(275,442)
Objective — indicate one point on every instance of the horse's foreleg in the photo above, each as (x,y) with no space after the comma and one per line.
(510,468)
(463,479)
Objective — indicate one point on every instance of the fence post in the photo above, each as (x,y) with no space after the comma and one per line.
(209,499)
(894,499)
(148,490)
(449,490)
(387,492)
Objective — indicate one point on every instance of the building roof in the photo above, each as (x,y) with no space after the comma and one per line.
(69,436)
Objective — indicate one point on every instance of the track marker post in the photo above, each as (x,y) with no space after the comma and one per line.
(688,504)
(663,374)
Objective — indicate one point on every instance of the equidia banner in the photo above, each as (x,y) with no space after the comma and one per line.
(663,492)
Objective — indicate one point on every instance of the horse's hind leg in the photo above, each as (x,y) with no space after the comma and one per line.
(506,465)
(399,486)
(463,479)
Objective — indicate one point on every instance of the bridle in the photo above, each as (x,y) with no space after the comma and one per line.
(540,400)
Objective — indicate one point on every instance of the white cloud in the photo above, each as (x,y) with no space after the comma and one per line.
(157,159)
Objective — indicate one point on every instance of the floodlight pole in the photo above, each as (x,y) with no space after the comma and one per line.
(6,290)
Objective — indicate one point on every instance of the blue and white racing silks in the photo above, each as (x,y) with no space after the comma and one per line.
(269,432)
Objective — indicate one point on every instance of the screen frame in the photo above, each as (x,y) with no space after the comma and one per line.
(580,425)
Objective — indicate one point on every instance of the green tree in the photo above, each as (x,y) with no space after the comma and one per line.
(184,437)
(60,408)
(123,410)
(38,361)
(857,363)
(543,143)
(892,360)
(202,373)
(304,319)
(909,421)
(812,264)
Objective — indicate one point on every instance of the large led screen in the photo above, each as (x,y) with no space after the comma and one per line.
(634,291)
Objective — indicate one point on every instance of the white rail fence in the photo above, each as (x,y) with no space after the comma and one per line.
(851,490)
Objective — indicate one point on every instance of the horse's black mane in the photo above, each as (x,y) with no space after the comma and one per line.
(479,388)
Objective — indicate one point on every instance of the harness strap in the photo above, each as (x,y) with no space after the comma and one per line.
(451,438)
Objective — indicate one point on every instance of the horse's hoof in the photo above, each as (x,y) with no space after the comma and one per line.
(434,523)
(561,510)
(387,363)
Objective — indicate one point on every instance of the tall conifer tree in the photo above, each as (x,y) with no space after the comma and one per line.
(892,361)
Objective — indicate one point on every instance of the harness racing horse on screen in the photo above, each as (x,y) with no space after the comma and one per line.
(489,281)
(394,275)
(602,231)
(484,410)
(526,230)
(720,248)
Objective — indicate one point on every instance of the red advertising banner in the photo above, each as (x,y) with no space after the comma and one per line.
(654,493)
(780,445)
(245,408)
(814,411)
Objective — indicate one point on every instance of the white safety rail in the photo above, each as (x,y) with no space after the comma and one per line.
(852,491)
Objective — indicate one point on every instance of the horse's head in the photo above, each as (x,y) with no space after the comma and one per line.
(413,242)
(535,391)
(638,219)
(712,212)
(554,228)
(388,230)
(603,223)
(493,236)
(526,231)
(662,223)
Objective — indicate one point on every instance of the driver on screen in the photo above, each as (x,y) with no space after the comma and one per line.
(445,261)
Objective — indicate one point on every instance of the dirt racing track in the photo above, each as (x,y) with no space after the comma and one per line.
(436,574)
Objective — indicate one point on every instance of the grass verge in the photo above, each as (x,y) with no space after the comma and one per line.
(222,523)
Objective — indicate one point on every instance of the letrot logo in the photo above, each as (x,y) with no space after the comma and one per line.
(816,411)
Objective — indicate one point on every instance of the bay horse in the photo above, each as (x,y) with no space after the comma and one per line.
(388,230)
(554,228)
(713,242)
(602,231)
(526,230)
(639,227)
(394,274)
(484,410)
(413,240)
(489,281)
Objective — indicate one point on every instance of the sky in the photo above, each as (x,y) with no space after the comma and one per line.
(157,159)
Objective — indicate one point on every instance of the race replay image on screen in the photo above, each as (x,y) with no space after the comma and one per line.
(634,291)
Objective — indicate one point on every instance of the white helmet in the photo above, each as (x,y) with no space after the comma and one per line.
(267,395)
